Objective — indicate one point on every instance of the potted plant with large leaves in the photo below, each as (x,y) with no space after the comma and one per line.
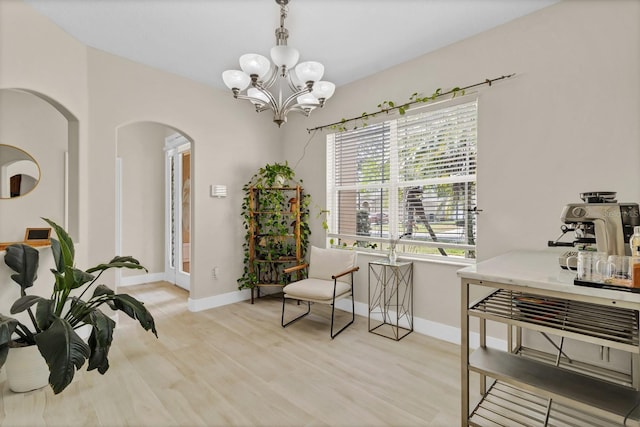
(55,320)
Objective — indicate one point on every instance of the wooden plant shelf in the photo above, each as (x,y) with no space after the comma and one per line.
(262,232)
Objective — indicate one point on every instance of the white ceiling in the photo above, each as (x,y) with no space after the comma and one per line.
(199,39)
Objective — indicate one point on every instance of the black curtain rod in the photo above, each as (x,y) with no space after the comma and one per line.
(406,104)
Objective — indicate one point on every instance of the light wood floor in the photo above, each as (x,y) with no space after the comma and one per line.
(236,366)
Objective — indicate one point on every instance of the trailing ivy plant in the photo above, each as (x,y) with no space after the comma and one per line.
(273,225)
(387,107)
(402,107)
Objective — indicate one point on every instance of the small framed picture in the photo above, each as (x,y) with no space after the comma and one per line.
(37,236)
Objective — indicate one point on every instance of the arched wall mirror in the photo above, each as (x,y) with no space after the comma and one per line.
(19,172)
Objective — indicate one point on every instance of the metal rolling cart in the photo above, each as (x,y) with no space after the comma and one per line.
(526,291)
(391,298)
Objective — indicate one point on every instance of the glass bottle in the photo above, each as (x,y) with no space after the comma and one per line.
(634,241)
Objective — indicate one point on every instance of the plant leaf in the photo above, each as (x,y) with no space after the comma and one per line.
(78,277)
(57,255)
(124,259)
(23,303)
(64,351)
(24,261)
(136,310)
(100,340)
(7,326)
(59,277)
(4,351)
(66,244)
(126,262)
(44,313)
(102,290)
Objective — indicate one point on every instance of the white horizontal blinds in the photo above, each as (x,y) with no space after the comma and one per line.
(374,207)
(438,144)
(438,213)
(361,173)
(360,212)
(437,173)
(426,162)
(362,156)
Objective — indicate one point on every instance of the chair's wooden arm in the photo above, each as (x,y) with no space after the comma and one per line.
(295,268)
(351,270)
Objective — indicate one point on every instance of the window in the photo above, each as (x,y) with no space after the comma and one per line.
(414,177)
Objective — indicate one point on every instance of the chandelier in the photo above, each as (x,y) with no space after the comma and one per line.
(302,86)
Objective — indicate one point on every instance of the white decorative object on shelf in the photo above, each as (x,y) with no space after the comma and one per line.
(393,255)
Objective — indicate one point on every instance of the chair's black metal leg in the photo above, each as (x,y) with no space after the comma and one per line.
(284,300)
(333,309)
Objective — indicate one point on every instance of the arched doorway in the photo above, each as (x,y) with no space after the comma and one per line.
(145,208)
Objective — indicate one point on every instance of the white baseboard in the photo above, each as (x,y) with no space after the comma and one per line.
(201,304)
(141,279)
(422,326)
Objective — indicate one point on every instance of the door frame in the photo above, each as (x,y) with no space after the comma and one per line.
(174,146)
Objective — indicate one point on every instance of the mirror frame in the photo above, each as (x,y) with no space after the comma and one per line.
(4,190)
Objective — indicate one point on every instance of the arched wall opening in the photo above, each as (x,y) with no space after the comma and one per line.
(49,132)
(141,207)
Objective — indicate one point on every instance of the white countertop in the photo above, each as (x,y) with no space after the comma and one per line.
(537,269)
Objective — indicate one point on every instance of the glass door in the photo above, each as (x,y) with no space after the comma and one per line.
(178,208)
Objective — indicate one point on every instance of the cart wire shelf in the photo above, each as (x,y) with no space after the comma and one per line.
(607,325)
(507,406)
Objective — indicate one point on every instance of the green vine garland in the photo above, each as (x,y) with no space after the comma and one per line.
(387,107)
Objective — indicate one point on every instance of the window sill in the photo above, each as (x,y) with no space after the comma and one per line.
(436,260)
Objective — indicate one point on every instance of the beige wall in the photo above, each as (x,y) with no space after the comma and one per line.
(141,148)
(567,123)
(38,56)
(225,151)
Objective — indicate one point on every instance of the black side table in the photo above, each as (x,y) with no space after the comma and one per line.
(391,298)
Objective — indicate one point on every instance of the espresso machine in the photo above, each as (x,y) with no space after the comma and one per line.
(599,223)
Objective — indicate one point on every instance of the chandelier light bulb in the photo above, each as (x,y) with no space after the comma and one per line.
(323,90)
(258,98)
(309,71)
(254,64)
(284,56)
(236,79)
(308,101)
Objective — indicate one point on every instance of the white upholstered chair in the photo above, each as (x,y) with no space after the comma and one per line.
(329,278)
